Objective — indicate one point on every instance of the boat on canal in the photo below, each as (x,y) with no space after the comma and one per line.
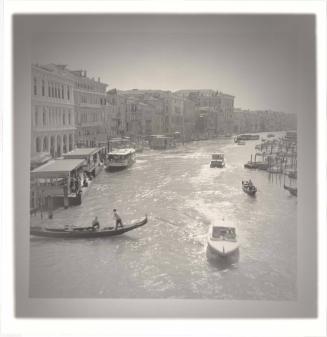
(120,159)
(246,137)
(222,240)
(217,160)
(270,135)
(249,188)
(85,232)
(292,190)
(240,142)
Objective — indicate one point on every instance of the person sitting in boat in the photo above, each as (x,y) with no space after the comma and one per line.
(118,219)
(95,224)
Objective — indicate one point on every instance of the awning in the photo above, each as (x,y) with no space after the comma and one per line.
(58,168)
(82,152)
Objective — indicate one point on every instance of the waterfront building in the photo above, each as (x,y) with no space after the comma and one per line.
(52,107)
(214,110)
(91,110)
(262,121)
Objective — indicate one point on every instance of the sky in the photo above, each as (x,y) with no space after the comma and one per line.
(260,60)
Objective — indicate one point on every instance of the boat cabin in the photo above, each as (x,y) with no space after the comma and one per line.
(120,158)
(217,160)
(94,158)
(223,233)
(61,180)
(161,142)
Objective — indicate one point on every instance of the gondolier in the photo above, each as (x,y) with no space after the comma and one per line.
(118,219)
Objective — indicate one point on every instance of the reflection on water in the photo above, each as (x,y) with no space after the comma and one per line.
(167,258)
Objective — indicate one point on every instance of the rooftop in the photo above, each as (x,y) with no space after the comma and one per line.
(59,166)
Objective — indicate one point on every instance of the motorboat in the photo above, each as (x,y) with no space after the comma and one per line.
(249,188)
(217,160)
(222,240)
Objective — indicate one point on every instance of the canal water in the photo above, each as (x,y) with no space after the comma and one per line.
(168,257)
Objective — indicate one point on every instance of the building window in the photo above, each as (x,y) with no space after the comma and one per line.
(68,93)
(49,90)
(36,115)
(62,92)
(38,144)
(64,118)
(44,117)
(43,89)
(69,117)
(52,90)
(35,86)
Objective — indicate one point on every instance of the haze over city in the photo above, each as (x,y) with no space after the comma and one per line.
(254,58)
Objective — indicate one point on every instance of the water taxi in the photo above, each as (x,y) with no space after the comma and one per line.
(217,160)
(223,240)
(120,159)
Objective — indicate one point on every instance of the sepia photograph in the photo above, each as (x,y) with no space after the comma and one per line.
(164,165)
(164,162)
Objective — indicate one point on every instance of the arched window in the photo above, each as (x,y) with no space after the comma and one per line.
(45,144)
(44,117)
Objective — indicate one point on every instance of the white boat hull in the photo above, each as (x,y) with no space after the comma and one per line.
(223,248)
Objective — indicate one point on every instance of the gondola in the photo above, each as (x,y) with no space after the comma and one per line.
(85,232)
(249,188)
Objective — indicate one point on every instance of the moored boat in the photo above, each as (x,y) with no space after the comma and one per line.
(240,142)
(85,232)
(292,190)
(249,188)
(222,240)
(246,137)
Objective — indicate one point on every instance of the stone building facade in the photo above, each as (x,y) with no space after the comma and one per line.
(52,111)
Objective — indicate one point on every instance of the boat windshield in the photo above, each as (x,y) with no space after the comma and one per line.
(217,156)
(223,233)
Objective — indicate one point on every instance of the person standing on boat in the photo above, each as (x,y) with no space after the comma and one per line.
(118,219)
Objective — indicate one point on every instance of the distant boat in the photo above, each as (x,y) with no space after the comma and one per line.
(270,135)
(249,188)
(120,159)
(292,190)
(240,142)
(217,160)
(85,232)
(223,240)
(246,137)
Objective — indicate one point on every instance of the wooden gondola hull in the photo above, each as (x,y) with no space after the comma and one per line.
(84,232)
